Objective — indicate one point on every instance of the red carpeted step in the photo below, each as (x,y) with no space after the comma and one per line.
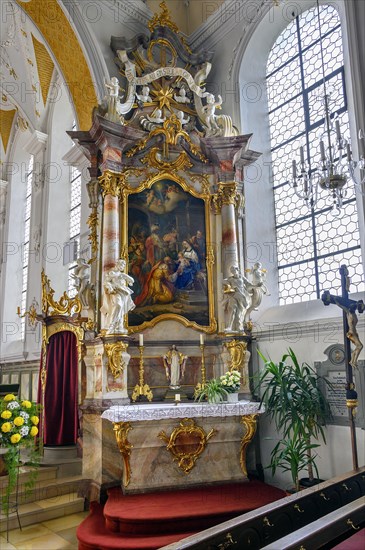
(356,542)
(185,510)
(93,535)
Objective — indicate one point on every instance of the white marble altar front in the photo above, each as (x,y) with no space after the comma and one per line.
(140,453)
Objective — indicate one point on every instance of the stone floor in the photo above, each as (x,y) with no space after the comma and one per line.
(53,534)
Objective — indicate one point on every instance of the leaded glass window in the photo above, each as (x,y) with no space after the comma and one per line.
(26,241)
(75,220)
(311,243)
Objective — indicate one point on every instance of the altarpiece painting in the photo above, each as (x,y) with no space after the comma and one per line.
(167,227)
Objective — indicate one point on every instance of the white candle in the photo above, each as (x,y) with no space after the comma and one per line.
(202,339)
(177,397)
(301,154)
(323,153)
(348,150)
(141,340)
(338,130)
(294,170)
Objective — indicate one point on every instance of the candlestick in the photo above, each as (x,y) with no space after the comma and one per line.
(18,310)
(142,388)
(302,155)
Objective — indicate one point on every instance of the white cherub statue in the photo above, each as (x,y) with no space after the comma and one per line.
(209,111)
(157,118)
(144,97)
(180,117)
(181,96)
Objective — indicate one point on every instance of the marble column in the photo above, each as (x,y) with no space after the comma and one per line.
(228,197)
(110,185)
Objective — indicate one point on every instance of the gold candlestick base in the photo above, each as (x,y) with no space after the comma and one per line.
(141,388)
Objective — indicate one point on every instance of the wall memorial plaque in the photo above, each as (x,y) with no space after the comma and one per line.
(334,370)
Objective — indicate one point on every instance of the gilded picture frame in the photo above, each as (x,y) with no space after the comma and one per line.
(167,244)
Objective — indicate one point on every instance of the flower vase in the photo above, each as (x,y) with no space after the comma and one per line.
(232,397)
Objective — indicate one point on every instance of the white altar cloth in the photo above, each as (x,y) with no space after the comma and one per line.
(159,411)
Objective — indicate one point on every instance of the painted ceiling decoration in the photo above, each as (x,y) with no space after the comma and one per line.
(6,124)
(64,45)
(45,67)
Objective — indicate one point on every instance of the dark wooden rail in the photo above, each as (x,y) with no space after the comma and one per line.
(262,527)
(336,525)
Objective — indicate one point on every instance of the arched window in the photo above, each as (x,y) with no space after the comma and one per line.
(26,241)
(75,222)
(311,243)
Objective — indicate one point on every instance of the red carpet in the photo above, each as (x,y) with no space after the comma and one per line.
(153,520)
(356,542)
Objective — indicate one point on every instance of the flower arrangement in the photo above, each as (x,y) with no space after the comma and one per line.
(216,390)
(231,381)
(18,427)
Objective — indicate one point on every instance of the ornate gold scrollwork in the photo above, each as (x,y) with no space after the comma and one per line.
(114,352)
(186,443)
(237,352)
(92,222)
(64,306)
(226,195)
(162,19)
(250,423)
(121,430)
(181,163)
(172,131)
(110,183)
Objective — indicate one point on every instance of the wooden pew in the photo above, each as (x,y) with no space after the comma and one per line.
(266,525)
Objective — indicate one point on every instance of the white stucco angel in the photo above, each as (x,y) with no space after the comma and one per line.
(117,299)
(112,100)
(144,96)
(209,111)
(181,119)
(236,300)
(174,362)
(256,288)
(157,118)
(181,97)
(81,276)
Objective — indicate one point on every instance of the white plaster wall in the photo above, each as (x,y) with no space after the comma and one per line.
(11,345)
(57,205)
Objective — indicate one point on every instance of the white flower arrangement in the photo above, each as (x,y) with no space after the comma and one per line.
(231,381)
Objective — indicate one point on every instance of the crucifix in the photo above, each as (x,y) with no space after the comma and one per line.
(349,308)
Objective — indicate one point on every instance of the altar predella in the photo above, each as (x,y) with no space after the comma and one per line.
(167,269)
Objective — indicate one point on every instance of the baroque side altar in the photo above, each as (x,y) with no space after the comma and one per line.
(164,292)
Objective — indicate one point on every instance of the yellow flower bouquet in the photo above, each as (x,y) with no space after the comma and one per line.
(19,421)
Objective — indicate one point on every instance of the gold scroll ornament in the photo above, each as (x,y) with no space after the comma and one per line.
(186,443)
(114,353)
(250,423)
(121,430)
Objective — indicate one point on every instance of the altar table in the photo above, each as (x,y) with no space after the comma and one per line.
(162,446)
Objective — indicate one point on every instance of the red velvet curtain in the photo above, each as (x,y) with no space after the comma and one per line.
(61,392)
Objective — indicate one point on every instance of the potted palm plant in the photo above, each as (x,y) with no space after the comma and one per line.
(294,400)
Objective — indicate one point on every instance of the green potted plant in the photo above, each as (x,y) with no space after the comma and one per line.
(293,454)
(216,390)
(294,400)
(18,428)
